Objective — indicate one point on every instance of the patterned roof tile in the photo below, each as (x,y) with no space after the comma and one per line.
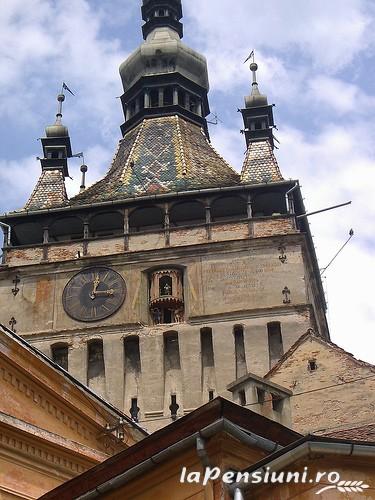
(260,164)
(158,156)
(49,191)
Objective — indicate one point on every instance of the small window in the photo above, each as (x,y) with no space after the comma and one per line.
(242,397)
(312,365)
(277,403)
(134,410)
(260,395)
(60,355)
(211,395)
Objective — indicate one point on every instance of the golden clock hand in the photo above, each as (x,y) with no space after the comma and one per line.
(96,284)
(104,292)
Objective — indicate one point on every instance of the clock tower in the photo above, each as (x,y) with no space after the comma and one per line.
(174,274)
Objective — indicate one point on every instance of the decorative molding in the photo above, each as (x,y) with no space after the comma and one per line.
(29,389)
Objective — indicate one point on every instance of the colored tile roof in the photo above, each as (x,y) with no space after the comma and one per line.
(49,191)
(158,156)
(260,164)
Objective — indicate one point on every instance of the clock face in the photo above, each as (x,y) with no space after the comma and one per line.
(94,294)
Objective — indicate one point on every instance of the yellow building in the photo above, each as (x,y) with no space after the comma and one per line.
(51,426)
(220,441)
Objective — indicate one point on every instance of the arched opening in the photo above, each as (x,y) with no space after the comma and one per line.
(171,351)
(59,353)
(270,203)
(154,98)
(165,286)
(27,233)
(107,224)
(187,213)
(146,219)
(181,98)
(239,346)
(95,360)
(66,229)
(132,354)
(275,342)
(168,96)
(228,208)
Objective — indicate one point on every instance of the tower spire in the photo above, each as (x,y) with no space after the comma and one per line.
(164,77)
(161,13)
(260,164)
(257,114)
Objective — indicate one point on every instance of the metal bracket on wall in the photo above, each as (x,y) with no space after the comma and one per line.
(12,324)
(16,281)
(282,257)
(286,293)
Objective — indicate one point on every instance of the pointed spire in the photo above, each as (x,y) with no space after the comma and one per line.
(260,163)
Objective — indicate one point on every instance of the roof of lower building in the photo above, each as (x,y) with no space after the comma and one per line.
(161,155)
(216,411)
(358,433)
(260,164)
(49,191)
(310,334)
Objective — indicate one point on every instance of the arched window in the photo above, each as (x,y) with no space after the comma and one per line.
(66,229)
(146,219)
(187,213)
(59,354)
(107,224)
(239,345)
(132,354)
(267,204)
(168,96)
(207,348)
(154,97)
(27,233)
(95,359)
(171,351)
(165,286)
(228,208)
(275,342)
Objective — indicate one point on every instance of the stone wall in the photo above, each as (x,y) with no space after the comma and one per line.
(330,400)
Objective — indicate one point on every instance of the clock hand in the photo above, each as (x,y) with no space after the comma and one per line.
(104,292)
(96,284)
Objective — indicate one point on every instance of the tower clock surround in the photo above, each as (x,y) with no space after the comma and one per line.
(93,294)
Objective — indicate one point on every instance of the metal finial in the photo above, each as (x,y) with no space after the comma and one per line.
(83,181)
(60,100)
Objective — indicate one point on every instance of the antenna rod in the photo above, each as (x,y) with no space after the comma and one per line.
(351,234)
(324,210)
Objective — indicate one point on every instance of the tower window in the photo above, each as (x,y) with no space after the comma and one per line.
(242,397)
(277,403)
(239,345)
(211,395)
(154,97)
(207,348)
(168,96)
(132,355)
(165,286)
(261,394)
(60,355)
(171,351)
(312,365)
(95,359)
(275,342)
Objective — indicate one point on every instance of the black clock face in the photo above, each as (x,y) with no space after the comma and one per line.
(94,294)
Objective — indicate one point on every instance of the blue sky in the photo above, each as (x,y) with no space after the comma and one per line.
(316,63)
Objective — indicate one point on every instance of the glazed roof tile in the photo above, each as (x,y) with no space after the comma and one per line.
(161,155)
(49,191)
(260,164)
